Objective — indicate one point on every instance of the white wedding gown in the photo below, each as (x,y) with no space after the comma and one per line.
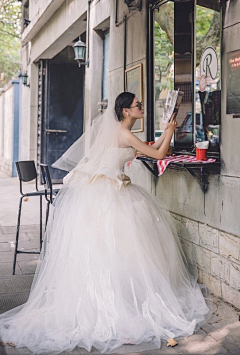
(111,272)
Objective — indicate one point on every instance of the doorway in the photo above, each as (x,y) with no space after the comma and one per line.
(62,109)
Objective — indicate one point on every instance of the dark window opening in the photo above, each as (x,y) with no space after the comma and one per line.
(187,56)
(106,36)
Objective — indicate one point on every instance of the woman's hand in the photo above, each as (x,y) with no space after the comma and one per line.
(172,124)
(165,128)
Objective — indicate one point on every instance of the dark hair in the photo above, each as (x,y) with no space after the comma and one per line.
(122,101)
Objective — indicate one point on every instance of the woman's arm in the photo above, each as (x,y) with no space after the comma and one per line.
(160,140)
(148,150)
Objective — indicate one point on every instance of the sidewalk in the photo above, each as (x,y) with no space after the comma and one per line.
(221,335)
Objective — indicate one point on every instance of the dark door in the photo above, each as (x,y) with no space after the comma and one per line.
(63,117)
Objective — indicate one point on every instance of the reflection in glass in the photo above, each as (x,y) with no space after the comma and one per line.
(208,90)
(164,61)
(183,31)
(183,35)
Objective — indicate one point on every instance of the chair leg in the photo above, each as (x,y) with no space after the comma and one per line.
(47,215)
(40,222)
(17,235)
(46,221)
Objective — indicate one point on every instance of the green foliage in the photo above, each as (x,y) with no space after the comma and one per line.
(163,58)
(204,17)
(10,39)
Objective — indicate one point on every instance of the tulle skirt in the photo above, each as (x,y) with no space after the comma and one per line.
(111,272)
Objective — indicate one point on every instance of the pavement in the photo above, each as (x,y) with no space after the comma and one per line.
(221,335)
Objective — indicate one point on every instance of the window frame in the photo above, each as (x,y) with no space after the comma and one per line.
(104,33)
(154,5)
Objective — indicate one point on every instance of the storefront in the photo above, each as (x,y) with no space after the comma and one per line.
(184,49)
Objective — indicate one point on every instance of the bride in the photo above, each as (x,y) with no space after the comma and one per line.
(111,271)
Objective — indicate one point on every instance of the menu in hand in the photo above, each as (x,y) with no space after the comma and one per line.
(173,102)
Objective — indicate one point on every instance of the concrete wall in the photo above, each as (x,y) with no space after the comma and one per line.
(1,124)
(9,123)
(37,8)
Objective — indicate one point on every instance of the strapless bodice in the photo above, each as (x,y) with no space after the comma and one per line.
(126,154)
(109,166)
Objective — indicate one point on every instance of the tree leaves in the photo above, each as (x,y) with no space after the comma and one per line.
(10,39)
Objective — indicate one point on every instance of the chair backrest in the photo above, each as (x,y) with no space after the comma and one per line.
(47,181)
(26,170)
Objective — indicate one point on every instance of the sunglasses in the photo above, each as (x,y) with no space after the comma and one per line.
(139,105)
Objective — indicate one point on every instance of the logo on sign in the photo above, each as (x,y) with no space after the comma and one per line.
(202,83)
(209,63)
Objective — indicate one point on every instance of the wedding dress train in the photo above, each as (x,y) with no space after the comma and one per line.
(111,271)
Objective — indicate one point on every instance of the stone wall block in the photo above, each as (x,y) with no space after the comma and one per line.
(190,230)
(212,284)
(209,238)
(229,246)
(188,249)
(235,276)
(203,258)
(220,267)
(177,221)
(230,295)
(200,276)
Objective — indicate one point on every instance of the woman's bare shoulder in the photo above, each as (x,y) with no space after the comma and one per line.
(124,136)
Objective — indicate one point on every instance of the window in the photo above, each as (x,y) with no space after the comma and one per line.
(105,66)
(187,56)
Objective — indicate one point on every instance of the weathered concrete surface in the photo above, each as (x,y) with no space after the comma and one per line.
(217,255)
(219,336)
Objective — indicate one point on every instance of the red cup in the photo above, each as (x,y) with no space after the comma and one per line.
(151,143)
(201,154)
(146,142)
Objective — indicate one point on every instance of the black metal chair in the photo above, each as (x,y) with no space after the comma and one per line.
(27,172)
(50,193)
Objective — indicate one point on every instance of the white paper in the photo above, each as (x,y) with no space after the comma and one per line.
(173,101)
(202,145)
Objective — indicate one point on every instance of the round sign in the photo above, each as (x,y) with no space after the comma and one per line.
(202,83)
(209,63)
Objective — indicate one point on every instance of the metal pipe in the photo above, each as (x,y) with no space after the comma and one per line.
(116,13)
(150,73)
(125,52)
(88,30)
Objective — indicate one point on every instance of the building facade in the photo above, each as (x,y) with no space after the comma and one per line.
(150,47)
(10,117)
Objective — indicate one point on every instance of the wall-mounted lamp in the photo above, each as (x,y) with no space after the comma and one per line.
(26,22)
(24,78)
(134,4)
(80,50)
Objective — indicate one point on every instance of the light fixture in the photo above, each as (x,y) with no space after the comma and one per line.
(134,4)
(26,22)
(80,50)
(24,78)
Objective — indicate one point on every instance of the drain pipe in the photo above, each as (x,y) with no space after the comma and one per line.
(88,29)
(150,74)
(125,52)
(116,13)
(124,20)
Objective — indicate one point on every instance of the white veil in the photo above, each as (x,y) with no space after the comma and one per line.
(95,152)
